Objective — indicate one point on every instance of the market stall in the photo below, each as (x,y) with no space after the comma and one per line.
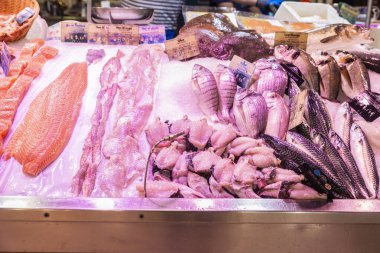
(239,134)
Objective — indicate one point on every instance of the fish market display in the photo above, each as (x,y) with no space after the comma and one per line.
(337,37)
(278,115)
(245,168)
(302,61)
(13,96)
(49,123)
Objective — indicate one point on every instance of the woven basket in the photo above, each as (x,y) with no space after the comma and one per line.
(9,7)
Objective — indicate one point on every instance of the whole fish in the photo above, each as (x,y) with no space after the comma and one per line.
(317,114)
(302,61)
(353,170)
(250,112)
(365,159)
(329,72)
(343,122)
(315,178)
(324,144)
(278,115)
(227,88)
(271,77)
(358,74)
(317,155)
(206,90)
(337,36)
(371,60)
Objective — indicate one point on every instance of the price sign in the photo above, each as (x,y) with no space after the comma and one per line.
(182,47)
(296,39)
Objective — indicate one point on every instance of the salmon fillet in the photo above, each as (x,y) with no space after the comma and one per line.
(50,121)
(16,67)
(13,96)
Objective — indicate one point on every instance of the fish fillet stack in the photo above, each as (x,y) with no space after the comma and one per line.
(113,160)
(21,74)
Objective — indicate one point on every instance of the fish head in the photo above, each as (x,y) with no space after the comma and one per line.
(271,98)
(286,52)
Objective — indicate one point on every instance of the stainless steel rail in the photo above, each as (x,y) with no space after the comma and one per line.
(182,225)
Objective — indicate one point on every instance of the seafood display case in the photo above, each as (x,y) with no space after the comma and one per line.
(221,140)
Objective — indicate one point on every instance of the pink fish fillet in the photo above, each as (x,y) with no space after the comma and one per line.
(84,180)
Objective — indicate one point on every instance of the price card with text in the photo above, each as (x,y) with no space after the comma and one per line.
(243,71)
(182,47)
(297,109)
(73,31)
(296,39)
(123,35)
(98,34)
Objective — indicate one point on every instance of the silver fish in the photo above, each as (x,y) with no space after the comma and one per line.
(227,88)
(250,112)
(343,122)
(340,167)
(271,77)
(302,61)
(365,159)
(336,36)
(353,170)
(316,113)
(278,115)
(206,90)
(329,72)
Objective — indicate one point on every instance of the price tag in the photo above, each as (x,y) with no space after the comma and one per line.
(296,39)
(123,35)
(243,71)
(98,34)
(367,105)
(297,109)
(73,31)
(152,34)
(182,47)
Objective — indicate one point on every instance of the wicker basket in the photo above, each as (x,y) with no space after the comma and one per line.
(9,7)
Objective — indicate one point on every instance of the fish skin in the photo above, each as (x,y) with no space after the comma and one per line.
(343,122)
(317,114)
(300,191)
(293,158)
(353,170)
(365,159)
(271,77)
(355,77)
(338,163)
(227,88)
(370,60)
(51,116)
(250,112)
(278,115)
(303,61)
(199,184)
(329,72)
(200,133)
(206,89)
(278,190)
(317,155)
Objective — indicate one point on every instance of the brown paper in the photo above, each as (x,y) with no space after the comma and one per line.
(182,47)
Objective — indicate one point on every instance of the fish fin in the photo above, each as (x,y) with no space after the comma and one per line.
(330,39)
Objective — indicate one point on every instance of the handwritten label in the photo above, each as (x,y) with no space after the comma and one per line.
(243,71)
(367,105)
(296,39)
(152,34)
(98,34)
(74,32)
(297,109)
(182,48)
(123,35)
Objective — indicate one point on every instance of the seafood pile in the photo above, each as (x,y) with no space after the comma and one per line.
(204,162)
